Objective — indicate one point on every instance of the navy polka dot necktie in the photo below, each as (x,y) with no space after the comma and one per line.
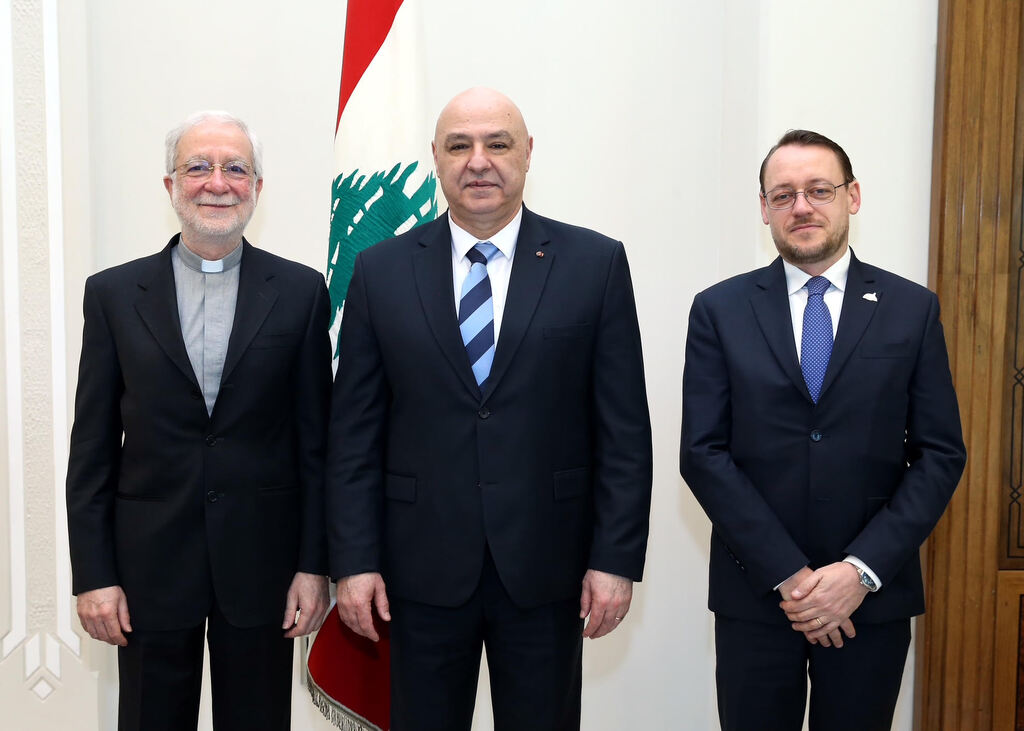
(816,342)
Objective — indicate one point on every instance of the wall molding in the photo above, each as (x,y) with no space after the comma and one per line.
(12,340)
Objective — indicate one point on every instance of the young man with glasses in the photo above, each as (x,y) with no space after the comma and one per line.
(821,435)
(195,495)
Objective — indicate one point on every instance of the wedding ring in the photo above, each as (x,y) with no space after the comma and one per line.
(818,620)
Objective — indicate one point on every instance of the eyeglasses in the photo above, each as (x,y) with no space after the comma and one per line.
(779,199)
(200,169)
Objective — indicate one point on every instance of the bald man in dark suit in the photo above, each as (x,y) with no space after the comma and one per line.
(489,458)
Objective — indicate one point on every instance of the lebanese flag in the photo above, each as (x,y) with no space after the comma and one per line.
(384,185)
(384,182)
(349,677)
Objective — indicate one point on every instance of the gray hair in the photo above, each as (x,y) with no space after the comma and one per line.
(197,118)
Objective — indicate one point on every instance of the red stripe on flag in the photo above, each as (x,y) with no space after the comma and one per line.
(367,24)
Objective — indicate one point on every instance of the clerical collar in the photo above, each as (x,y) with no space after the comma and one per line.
(197,263)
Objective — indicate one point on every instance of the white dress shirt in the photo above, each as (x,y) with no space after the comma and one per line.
(499,269)
(796,281)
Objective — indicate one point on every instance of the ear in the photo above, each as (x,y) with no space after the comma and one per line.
(529,151)
(169,185)
(854,189)
(433,152)
(259,189)
(764,209)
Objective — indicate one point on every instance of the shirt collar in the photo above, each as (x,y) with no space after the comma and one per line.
(197,263)
(836,274)
(504,240)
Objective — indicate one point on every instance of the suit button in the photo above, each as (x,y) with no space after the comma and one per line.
(484,412)
(211,440)
(211,496)
(815,436)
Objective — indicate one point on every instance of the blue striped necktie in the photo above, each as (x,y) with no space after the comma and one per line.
(816,341)
(476,312)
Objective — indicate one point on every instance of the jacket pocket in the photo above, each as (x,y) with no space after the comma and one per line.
(901,349)
(275,340)
(400,487)
(872,505)
(571,483)
(566,331)
(277,489)
(140,498)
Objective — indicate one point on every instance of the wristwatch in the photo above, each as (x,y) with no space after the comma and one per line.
(865,579)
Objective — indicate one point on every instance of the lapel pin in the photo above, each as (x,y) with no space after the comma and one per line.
(871,297)
(540,254)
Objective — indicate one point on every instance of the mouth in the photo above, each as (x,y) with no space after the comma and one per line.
(221,203)
(481,185)
(804,227)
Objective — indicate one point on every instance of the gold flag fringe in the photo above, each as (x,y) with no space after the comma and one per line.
(336,713)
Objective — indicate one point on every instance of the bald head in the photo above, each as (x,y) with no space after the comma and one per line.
(481,153)
(472,103)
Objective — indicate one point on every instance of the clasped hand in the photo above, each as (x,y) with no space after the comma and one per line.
(819,603)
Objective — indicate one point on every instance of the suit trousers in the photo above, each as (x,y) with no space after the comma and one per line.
(160,675)
(763,671)
(534,658)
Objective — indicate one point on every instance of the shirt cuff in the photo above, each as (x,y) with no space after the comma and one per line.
(864,567)
(787,579)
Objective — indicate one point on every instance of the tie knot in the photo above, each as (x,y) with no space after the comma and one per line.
(817,285)
(482,252)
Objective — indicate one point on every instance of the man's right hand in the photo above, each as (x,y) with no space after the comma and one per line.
(355,595)
(787,586)
(835,637)
(104,614)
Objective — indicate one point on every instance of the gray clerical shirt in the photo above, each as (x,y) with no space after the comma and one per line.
(207,292)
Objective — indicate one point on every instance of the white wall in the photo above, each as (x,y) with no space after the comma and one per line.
(650,119)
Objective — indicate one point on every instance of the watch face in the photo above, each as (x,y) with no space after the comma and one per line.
(866,580)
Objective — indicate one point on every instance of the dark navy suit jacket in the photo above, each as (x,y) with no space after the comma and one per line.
(549,467)
(867,471)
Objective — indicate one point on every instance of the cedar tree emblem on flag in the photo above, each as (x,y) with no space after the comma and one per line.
(383,187)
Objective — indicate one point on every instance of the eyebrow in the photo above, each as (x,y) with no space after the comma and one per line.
(461,136)
(813,181)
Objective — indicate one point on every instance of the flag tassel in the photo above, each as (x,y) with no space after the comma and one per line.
(336,714)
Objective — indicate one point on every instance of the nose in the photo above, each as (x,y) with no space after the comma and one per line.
(217,183)
(478,161)
(801,206)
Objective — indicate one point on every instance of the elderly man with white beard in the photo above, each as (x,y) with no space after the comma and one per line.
(194,484)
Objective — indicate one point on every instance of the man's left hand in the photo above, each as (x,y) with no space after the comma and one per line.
(824,601)
(606,599)
(307,605)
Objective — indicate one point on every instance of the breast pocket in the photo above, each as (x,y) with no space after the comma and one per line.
(894,349)
(566,331)
(274,340)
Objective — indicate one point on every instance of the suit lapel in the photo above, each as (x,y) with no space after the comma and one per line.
(853,319)
(526,283)
(256,297)
(771,308)
(432,267)
(157,305)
